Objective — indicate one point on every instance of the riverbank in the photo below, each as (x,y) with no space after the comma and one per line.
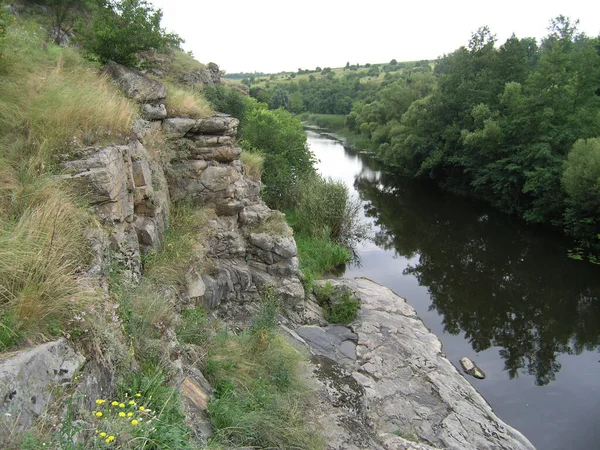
(386,384)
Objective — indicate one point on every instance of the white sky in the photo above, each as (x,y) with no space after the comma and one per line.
(272,36)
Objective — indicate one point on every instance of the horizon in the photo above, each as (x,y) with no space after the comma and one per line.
(263,37)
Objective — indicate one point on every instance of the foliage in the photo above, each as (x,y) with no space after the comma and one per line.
(193,328)
(339,304)
(282,141)
(120,29)
(581,180)
(496,123)
(260,399)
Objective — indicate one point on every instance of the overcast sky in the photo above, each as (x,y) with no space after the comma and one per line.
(272,36)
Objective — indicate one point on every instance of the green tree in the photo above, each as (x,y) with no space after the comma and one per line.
(120,30)
(280,99)
(581,180)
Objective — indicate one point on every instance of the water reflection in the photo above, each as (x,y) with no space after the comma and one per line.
(499,282)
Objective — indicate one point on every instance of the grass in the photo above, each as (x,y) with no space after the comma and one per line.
(274,225)
(339,304)
(254,163)
(183,245)
(182,63)
(260,399)
(42,252)
(183,102)
(333,122)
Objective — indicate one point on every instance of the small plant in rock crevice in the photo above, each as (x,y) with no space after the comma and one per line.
(339,304)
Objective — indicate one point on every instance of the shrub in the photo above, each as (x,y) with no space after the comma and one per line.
(339,304)
(122,29)
(324,209)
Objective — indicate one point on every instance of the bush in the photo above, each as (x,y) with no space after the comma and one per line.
(122,29)
(339,304)
(324,209)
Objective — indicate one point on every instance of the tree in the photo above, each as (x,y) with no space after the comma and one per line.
(393,62)
(280,99)
(122,29)
(581,180)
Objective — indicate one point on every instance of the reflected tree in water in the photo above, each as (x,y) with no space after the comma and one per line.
(501,283)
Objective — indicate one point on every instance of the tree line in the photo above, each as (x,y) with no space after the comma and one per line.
(517,125)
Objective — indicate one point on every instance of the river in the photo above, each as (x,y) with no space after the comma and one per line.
(499,292)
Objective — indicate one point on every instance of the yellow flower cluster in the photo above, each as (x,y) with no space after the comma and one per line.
(110,412)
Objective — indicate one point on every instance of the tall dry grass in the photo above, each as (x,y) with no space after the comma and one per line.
(254,163)
(186,103)
(42,254)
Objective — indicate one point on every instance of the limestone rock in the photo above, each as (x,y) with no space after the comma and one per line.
(177,127)
(27,380)
(221,124)
(195,395)
(154,112)
(136,85)
(471,368)
(253,214)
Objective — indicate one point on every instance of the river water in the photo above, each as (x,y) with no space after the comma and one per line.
(501,293)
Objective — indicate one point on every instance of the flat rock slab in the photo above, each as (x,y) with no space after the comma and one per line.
(334,341)
(410,388)
(27,379)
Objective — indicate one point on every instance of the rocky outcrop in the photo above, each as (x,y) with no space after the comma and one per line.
(401,382)
(151,94)
(29,381)
(209,75)
(129,193)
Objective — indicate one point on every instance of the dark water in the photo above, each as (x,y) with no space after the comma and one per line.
(496,291)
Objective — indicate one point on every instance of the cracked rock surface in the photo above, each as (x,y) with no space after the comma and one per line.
(405,386)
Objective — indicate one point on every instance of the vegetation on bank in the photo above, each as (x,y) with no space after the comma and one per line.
(515,125)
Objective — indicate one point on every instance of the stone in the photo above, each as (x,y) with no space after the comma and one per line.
(27,379)
(221,124)
(136,85)
(408,386)
(254,214)
(195,395)
(195,286)
(142,175)
(177,127)
(154,112)
(334,341)
(471,368)
(203,140)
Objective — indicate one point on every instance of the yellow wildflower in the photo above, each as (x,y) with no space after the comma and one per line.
(100,401)
(142,408)
(129,414)
(109,439)
(98,414)
(138,395)
(134,422)
(131,402)
(115,403)
(103,434)
(121,405)
(121,414)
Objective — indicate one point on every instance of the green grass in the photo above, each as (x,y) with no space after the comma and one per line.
(260,400)
(183,102)
(334,122)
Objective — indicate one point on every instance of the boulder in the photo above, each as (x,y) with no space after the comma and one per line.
(154,112)
(177,127)
(27,380)
(471,368)
(136,85)
(220,124)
